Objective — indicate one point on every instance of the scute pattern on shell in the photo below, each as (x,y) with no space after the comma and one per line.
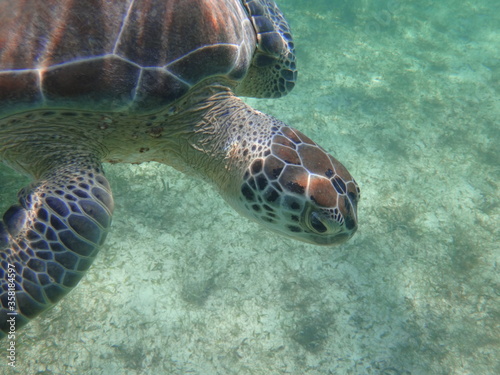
(126,59)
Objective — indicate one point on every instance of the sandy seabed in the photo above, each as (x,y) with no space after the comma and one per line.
(407,97)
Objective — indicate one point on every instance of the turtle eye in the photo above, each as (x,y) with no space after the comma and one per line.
(316,223)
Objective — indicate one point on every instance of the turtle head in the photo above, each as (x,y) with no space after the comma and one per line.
(292,186)
(272,173)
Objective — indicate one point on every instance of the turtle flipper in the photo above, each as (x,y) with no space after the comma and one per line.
(50,239)
(273,71)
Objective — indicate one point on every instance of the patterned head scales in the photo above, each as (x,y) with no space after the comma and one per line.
(299,190)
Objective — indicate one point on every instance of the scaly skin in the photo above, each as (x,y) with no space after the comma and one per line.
(50,239)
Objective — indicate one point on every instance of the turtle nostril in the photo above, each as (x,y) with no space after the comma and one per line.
(316,223)
(350,223)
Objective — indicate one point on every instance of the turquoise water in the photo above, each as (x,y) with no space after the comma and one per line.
(406,95)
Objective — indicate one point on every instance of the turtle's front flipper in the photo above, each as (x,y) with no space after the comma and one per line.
(50,239)
(273,71)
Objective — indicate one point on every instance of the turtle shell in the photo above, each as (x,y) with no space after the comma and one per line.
(135,55)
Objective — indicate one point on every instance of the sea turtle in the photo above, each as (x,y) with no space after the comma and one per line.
(86,82)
